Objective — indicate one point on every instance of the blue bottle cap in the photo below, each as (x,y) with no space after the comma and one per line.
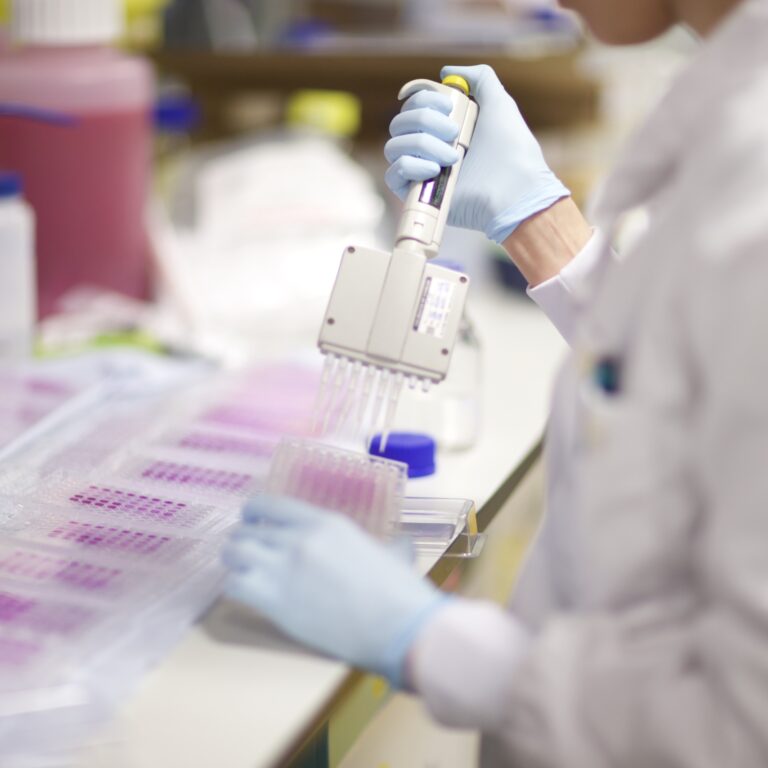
(177,113)
(10,184)
(414,449)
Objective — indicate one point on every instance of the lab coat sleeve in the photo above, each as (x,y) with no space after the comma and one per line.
(563,296)
(464,663)
(686,686)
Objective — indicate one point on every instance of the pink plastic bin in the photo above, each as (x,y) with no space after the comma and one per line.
(75,123)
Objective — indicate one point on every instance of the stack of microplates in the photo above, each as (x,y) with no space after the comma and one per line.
(111,524)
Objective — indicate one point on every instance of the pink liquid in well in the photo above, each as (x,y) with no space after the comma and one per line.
(88,184)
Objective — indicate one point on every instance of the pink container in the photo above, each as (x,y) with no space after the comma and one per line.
(75,123)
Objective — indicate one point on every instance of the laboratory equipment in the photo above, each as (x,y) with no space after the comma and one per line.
(415,450)
(498,189)
(450,413)
(75,576)
(17,270)
(366,489)
(221,443)
(74,121)
(189,480)
(176,116)
(30,611)
(130,506)
(113,540)
(442,527)
(32,396)
(393,317)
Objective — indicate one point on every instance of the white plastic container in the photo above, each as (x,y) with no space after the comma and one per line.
(17,270)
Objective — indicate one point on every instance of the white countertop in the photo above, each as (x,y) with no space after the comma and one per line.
(234,694)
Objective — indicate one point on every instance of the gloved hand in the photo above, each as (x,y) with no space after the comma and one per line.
(504,179)
(325,582)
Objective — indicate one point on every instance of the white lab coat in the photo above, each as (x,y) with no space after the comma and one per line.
(647,590)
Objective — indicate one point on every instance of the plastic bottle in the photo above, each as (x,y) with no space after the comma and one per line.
(75,122)
(17,270)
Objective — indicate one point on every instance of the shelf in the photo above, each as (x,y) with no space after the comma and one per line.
(550,90)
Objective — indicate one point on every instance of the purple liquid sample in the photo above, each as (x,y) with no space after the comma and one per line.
(44,616)
(363,488)
(271,422)
(137,505)
(291,386)
(17,653)
(275,400)
(186,474)
(202,441)
(30,566)
(333,486)
(111,538)
(49,387)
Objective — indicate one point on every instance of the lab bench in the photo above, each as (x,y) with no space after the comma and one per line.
(235,694)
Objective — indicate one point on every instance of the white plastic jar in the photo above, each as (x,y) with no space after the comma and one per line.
(17,270)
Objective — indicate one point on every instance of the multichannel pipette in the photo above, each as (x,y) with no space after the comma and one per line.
(393,317)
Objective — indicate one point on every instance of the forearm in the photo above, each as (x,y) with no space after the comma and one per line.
(545,243)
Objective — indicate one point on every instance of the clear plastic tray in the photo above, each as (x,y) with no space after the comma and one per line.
(189,480)
(73,575)
(215,452)
(46,614)
(149,548)
(225,443)
(122,503)
(25,662)
(263,421)
(433,525)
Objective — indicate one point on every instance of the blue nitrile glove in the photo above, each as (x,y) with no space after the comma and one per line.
(504,179)
(325,582)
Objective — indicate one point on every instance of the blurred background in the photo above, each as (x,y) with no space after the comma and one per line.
(182,176)
(255,151)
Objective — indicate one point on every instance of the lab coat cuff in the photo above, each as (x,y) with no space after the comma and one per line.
(562,296)
(463,663)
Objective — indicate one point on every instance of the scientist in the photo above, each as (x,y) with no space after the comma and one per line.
(638,634)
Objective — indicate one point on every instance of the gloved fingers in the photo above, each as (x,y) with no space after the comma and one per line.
(421,145)
(482,79)
(274,536)
(437,102)
(281,511)
(424,121)
(245,555)
(405,170)
(402,548)
(254,591)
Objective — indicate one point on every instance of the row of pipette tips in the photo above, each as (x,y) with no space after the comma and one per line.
(349,386)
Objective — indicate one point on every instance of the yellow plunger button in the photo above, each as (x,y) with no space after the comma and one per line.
(457,81)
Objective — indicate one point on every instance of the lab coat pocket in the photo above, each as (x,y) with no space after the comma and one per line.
(615,448)
(620,525)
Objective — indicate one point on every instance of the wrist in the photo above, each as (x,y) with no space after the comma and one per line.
(544,243)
